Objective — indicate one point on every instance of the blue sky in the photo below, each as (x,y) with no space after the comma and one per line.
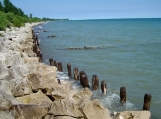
(91,9)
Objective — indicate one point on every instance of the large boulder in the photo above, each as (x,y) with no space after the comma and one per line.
(65,108)
(132,115)
(34,81)
(4,74)
(38,98)
(58,92)
(23,111)
(7,101)
(7,86)
(21,90)
(95,110)
(85,94)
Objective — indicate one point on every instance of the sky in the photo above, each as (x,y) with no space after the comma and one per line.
(90,9)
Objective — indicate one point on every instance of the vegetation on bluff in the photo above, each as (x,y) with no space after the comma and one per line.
(10,15)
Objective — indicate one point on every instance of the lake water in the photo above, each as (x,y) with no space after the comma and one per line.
(126,53)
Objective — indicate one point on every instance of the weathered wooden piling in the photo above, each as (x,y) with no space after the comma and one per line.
(103,87)
(95,82)
(37,50)
(147,101)
(33,34)
(37,40)
(84,79)
(69,70)
(38,53)
(34,48)
(76,73)
(40,58)
(50,61)
(81,75)
(122,95)
(55,64)
(60,68)
(59,82)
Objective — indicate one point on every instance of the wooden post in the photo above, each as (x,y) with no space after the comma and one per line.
(84,79)
(123,95)
(147,101)
(50,61)
(40,58)
(34,48)
(69,70)
(59,82)
(60,68)
(37,50)
(81,75)
(103,87)
(37,40)
(95,82)
(55,64)
(38,53)
(76,73)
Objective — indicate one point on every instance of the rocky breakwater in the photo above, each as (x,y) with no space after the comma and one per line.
(29,89)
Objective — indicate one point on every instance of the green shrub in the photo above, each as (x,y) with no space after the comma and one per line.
(10,16)
(4,22)
(16,22)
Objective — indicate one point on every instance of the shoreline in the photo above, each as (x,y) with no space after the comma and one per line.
(28,87)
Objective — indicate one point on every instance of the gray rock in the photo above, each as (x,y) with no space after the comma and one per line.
(95,110)
(132,115)
(34,81)
(65,108)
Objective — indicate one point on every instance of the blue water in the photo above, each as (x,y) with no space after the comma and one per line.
(126,52)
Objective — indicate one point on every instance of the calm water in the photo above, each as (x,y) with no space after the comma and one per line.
(129,55)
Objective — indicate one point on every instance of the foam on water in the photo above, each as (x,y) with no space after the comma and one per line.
(62,76)
(112,101)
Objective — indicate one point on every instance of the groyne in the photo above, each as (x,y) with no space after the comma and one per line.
(29,88)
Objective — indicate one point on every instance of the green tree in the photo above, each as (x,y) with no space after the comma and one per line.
(1,7)
(44,18)
(9,7)
(30,15)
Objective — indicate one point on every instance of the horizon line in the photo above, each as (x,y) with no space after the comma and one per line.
(118,18)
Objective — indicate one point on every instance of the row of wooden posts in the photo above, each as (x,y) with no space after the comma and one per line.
(36,48)
(82,76)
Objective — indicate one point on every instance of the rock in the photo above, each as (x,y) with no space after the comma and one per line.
(3,72)
(38,98)
(84,94)
(23,111)
(49,117)
(7,101)
(34,81)
(7,86)
(21,90)
(30,60)
(15,72)
(15,59)
(6,115)
(65,108)
(65,117)
(95,110)
(58,91)
(132,115)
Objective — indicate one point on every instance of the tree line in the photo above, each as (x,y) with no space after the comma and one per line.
(10,15)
